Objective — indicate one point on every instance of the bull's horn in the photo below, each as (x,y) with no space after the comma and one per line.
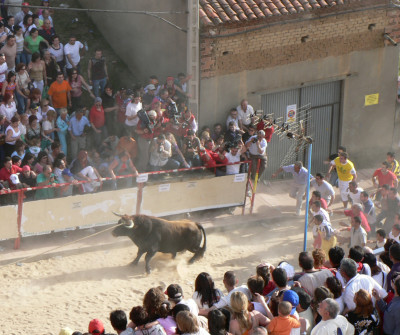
(120,215)
(130,225)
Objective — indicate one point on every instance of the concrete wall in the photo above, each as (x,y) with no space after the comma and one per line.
(366,131)
(147,45)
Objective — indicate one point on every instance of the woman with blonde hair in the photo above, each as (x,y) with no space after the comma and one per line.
(242,321)
(188,324)
(364,318)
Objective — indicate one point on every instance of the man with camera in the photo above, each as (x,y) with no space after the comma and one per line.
(160,155)
(191,148)
(257,147)
(77,127)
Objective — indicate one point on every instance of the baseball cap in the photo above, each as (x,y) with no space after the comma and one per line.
(174,292)
(25,4)
(67,172)
(66,331)
(26,168)
(96,327)
(14,179)
(293,298)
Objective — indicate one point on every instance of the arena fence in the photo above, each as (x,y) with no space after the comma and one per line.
(157,198)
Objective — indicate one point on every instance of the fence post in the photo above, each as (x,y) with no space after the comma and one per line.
(17,242)
(255,186)
(139,198)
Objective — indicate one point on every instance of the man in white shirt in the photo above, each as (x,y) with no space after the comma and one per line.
(257,147)
(175,296)
(326,189)
(3,69)
(355,282)
(19,16)
(245,112)
(300,179)
(233,116)
(355,193)
(72,53)
(233,156)
(331,322)
(160,155)
(132,118)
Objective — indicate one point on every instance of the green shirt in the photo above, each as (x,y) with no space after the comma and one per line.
(33,46)
(45,193)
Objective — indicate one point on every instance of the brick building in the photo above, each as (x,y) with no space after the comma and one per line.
(327,54)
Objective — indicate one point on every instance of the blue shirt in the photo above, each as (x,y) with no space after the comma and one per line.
(63,125)
(392,312)
(300,178)
(369,207)
(76,126)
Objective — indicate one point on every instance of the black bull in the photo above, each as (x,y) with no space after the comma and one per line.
(152,235)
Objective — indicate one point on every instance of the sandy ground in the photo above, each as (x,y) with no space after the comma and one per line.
(43,296)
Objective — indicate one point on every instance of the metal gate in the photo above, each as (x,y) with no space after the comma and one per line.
(320,119)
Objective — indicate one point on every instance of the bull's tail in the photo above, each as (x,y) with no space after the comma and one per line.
(200,252)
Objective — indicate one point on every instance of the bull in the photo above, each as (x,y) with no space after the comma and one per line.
(152,235)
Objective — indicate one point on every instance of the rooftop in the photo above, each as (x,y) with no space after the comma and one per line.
(217,12)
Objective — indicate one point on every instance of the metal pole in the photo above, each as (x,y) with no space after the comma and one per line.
(307,196)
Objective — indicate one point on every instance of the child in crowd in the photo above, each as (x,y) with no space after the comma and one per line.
(380,238)
(283,324)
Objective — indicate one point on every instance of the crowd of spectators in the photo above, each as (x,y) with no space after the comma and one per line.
(332,294)
(50,135)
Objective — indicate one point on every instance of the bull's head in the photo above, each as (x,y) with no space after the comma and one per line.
(124,226)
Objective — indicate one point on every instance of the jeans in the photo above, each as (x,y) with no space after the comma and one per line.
(39,84)
(27,57)
(21,103)
(96,83)
(20,58)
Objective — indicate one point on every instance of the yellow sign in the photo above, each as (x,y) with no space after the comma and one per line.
(371,99)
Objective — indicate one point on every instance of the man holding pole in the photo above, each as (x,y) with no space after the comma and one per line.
(300,181)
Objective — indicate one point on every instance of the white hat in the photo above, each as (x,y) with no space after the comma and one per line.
(14,179)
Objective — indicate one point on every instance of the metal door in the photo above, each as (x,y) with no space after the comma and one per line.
(318,107)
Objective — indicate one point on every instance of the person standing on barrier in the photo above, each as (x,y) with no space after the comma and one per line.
(298,188)
(121,166)
(257,147)
(160,155)
(146,134)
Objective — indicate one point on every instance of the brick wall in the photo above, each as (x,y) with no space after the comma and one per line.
(294,42)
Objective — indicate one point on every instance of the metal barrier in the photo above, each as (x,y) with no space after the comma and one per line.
(162,198)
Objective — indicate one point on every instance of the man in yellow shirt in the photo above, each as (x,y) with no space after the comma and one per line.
(346,173)
(394,164)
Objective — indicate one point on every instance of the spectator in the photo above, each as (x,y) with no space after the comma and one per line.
(335,286)
(3,69)
(47,31)
(97,72)
(233,116)
(139,317)
(33,131)
(10,84)
(22,91)
(217,322)
(145,136)
(395,232)
(368,209)
(346,173)
(268,127)
(32,43)
(188,122)
(51,67)
(96,327)
(44,14)
(12,10)
(97,120)
(205,294)
(13,133)
(37,72)
(56,49)
(121,166)
(263,270)
(284,322)
(191,148)
(72,53)
(83,169)
(7,171)
(393,163)
(312,278)
(76,81)
(233,134)
(10,24)
(298,188)
(356,210)
(77,129)
(246,112)
(391,324)
(364,318)
(60,93)
(49,129)
(394,254)
(176,152)
(319,257)
(257,148)
(10,52)
(331,320)
(42,161)
(7,107)
(62,125)
(148,97)
(217,131)
(326,190)
(160,155)
(46,178)
(119,323)
(376,271)
(110,109)
(131,115)
(355,281)
(242,320)
(20,15)
(325,233)
(20,40)
(304,310)
(175,297)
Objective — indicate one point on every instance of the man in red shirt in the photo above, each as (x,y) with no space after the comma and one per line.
(356,210)
(7,171)
(97,119)
(384,176)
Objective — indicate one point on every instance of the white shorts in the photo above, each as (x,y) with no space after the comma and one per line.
(344,189)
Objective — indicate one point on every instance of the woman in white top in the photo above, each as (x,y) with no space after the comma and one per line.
(48,129)
(22,91)
(19,39)
(8,107)
(377,273)
(335,286)
(13,134)
(57,50)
